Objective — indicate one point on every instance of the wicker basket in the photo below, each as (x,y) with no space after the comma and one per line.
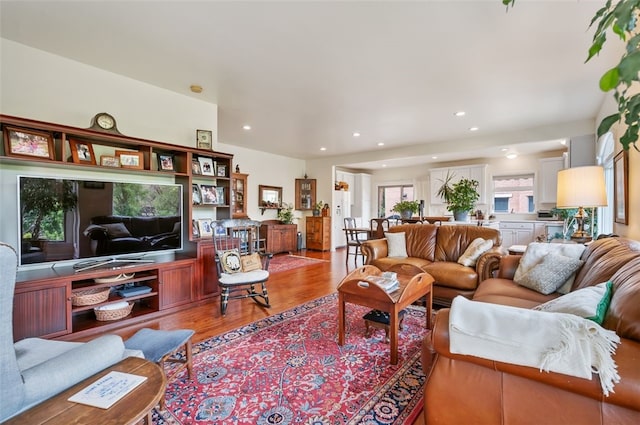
(90,296)
(115,314)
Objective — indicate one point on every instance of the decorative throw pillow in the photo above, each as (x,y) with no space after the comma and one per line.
(547,276)
(251,262)
(537,251)
(230,261)
(396,244)
(591,303)
(475,249)
(117,230)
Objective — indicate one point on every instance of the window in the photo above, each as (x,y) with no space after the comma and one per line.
(388,196)
(513,194)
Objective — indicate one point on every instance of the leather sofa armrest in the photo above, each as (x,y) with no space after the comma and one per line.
(488,263)
(373,249)
(508,266)
(626,392)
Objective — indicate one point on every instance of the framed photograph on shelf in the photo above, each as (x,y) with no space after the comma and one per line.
(621,187)
(195,167)
(165,162)
(196,196)
(130,159)
(109,161)
(204,227)
(209,194)
(28,143)
(207,167)
(221,170)
(204,139)
(82,152)
(195,232)
(220,195)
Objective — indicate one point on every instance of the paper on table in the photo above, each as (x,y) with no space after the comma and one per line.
(107,390)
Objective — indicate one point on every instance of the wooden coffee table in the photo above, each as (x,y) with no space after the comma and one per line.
(128,410)
(356,289)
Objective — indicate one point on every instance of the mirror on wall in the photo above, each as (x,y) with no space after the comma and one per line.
(269,196)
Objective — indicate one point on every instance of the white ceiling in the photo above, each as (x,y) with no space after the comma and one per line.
(306,75)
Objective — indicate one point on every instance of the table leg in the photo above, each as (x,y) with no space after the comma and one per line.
(393,334)
(341,319)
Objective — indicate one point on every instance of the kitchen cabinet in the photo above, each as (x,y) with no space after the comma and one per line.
(318,230)
(279,237)
(361,198)
(517,233)
(548,179)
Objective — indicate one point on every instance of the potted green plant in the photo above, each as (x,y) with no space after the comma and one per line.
(445,190)
(317,207)
(462,198)
(285,213)
(406,208)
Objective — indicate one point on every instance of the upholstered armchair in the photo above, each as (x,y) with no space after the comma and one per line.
(35,369)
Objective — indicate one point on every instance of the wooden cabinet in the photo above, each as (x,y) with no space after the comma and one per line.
(305,194)
(279,237)
(239,195)
(318,231)
(207,278)
(43,305)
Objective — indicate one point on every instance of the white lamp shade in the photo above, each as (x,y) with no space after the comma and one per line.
(581,187)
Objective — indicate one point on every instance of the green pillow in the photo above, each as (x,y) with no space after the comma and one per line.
(591,303)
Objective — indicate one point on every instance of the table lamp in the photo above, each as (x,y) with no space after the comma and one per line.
(581,187)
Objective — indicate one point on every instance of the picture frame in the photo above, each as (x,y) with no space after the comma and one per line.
(209,194)
(130,159)
(204,139)
(204,227)
(109,161)
(165,162)
(82,152)
(220,194)
(207,166)
(621,187)
(195,167)
(196,195)
(195,231)
(221,170)
(19,142)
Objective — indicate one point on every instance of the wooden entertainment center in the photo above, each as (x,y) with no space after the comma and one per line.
(43,296)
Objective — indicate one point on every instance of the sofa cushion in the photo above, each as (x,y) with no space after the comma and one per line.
(385,263)
(537,251)
(507,292)
(477,247)
(452,240)
(396,244)
(623,315)
(549,275)
(117,230)
(420,239)
(453,275)
(591,303)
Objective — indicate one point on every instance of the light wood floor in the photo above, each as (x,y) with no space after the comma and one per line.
(286,290)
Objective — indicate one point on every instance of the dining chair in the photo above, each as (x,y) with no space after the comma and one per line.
(355,237)
(378,226)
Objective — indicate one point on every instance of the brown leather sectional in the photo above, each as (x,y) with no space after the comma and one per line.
(470,390)
(436,249)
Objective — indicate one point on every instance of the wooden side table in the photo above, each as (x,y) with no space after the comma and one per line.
(129,410)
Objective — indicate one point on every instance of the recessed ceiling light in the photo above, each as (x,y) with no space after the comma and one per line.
(512,155)
(196,88)
(460,114)
(323,149)
(384,165)
(380,143)
(563,141)
(356,134)
(246,127)
(434,157)
(473,128)
(504,149)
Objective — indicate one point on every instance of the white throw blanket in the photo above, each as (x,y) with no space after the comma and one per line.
(555,342)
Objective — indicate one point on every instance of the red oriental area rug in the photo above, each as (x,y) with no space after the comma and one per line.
(280,263)
(288,369)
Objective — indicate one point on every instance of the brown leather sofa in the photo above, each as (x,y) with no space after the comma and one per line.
(435,249)
(470,390)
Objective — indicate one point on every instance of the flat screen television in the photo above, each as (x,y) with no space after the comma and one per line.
(96,222)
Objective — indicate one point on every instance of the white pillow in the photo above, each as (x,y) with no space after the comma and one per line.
(475,249)
(547,276)
(396,244)
(535,253)
(591,302)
